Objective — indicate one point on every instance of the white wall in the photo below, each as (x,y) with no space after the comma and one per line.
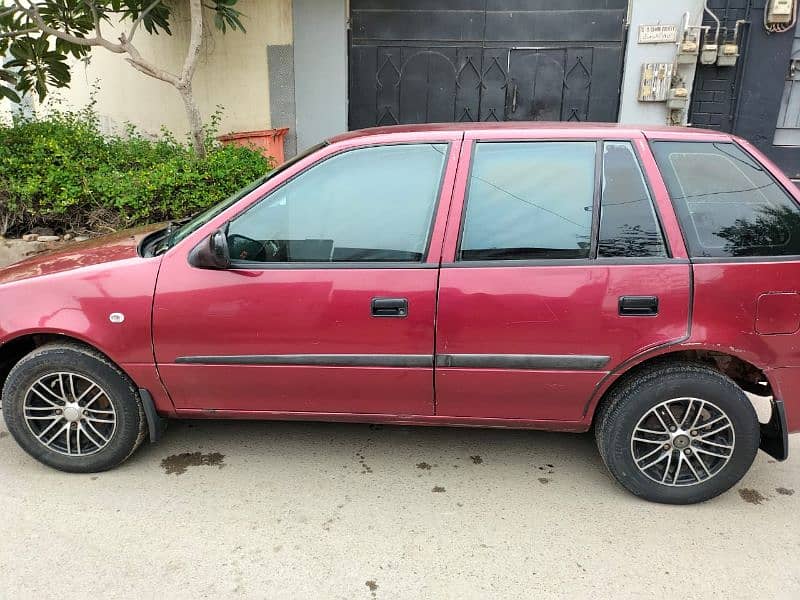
(232,72)
(652,12)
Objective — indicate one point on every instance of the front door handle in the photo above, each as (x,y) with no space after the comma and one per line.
(390,307)
(638,306)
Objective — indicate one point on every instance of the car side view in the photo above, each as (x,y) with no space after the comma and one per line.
(639,282)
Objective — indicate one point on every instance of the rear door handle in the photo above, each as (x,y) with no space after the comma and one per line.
(389,307)
(641,306)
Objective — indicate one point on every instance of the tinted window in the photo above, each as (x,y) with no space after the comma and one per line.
(370,204)
(529,200)
(628,225)
(728,205)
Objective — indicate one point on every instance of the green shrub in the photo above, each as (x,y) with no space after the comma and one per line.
(60,172)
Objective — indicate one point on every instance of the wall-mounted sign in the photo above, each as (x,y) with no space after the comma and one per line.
(655,82)
(658,34)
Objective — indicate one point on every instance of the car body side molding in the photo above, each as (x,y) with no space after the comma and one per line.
(571,362)
(561,362)
(315,360)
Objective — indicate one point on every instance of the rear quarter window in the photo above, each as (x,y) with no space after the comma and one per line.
(727,204)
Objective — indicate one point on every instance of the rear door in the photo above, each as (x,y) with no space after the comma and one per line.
(555,271)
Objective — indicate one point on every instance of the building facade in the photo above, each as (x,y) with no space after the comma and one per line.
(320,67)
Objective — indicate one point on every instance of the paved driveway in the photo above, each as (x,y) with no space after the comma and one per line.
(312,510)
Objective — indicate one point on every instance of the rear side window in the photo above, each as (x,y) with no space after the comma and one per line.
(628,224)
(727,204)
(529,200)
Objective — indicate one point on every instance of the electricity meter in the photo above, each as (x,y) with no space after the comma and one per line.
(708,55)
(780,11)
(727,55)
(688,50)
(678,98)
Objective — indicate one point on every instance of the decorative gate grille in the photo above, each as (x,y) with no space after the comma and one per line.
(473,63)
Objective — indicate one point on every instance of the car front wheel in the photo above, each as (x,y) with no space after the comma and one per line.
(678,433)
(72,409)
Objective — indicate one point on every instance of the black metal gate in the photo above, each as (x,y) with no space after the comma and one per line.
(427,61)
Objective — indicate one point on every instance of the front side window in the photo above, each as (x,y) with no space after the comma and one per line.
(727,204)
(529,200)
(628,224)
(364,205)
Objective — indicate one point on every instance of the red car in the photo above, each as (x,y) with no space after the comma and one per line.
(637,281)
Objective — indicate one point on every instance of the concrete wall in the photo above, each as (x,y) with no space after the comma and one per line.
(652,12)
(232,72)
(320,66)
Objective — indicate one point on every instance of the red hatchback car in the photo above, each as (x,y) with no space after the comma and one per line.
(549,276)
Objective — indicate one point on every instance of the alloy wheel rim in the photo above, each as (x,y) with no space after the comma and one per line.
(683,442)
(70,414)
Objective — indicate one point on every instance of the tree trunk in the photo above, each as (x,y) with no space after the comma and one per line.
(195,120)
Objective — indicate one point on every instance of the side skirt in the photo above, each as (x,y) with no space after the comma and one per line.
(430,420)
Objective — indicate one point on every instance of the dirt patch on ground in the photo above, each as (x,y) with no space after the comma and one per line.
(752,496)
(784,491)
(178,463)
(13,250)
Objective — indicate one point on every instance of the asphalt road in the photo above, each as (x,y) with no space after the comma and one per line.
(314,510)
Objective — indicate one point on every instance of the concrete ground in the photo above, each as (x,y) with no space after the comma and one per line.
(314,510)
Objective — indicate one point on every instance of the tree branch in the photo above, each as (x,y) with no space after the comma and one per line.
(195,41)
(140,18)
(96,16)
(20,33)
(33,14)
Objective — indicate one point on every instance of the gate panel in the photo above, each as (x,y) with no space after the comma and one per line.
(415,61)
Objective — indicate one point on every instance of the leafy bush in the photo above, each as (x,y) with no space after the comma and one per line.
(61,172)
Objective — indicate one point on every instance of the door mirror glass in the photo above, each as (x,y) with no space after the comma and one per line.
(212,253)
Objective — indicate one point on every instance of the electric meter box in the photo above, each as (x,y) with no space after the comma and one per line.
(780,11)
(678,98)
(687,54)
(727,55)
(708,55)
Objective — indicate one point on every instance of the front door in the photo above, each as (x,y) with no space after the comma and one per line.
(329,305)
(553,276)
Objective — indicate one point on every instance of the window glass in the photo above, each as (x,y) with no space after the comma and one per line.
(369,204)
(529,200)
(728,205)
(628,225)
(201,219)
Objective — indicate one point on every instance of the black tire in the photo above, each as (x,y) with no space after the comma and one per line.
(130,427)
(639,394)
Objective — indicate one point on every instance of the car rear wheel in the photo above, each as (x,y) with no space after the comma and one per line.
(678,433)
(72,409)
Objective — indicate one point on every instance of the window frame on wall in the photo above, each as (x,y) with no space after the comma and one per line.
(366,264)
(593,258)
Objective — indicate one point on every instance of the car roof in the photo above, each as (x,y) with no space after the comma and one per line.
(610,129)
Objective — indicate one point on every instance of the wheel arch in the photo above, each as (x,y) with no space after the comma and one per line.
(730,362)
(14,349)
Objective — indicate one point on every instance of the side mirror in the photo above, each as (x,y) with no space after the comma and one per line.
(212,253)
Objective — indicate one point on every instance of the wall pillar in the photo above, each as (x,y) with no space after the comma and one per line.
(320,69)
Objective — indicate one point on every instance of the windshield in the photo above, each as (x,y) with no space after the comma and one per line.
(204,217)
